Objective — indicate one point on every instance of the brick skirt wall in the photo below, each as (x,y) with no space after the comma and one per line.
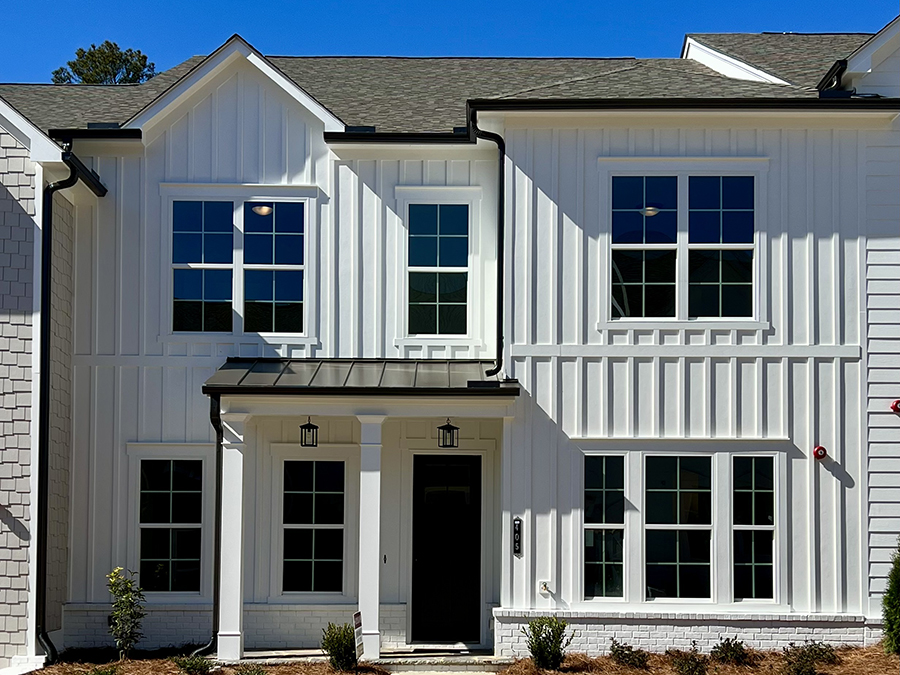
(265,626)
(592,631)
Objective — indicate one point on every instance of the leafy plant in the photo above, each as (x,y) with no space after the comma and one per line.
(803,659)
(193,664)
(108,669)
(340,645)
(547,641)
(106,64)
(127,610)
(890,606)
(691,662)
(626,655)
(249,669)
(733,651)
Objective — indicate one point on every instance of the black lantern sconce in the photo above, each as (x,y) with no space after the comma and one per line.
(309,434)
(448,435)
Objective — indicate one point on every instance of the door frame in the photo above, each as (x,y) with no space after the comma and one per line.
(485,450)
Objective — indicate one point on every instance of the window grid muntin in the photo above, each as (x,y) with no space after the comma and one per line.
(313,526)
(754,528)
(683,245)
(171,526)
(603,528)
(200,265)
(678,527)
(437,269)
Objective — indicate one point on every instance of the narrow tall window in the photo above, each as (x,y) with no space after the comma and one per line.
(678,516)
(202,258)
(754,527)
(644,232)
(438,269)
(273,267)
(604,519)
(720,257)
(171,510)
(313,522)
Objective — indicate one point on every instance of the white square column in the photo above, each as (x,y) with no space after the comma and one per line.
(370,532)
(231,597)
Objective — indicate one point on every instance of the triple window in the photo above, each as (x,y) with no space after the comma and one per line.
(677,527)
(207,248)
(682,246)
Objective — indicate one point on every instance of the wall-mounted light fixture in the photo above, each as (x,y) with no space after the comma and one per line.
(448,435)
(309,434)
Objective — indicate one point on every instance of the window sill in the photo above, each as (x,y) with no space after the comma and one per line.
(439,341)
(683,324)
(310,599)
(266,338)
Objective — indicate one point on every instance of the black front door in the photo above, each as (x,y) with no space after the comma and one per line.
(446,549)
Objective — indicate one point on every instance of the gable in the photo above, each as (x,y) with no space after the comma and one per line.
(875,67)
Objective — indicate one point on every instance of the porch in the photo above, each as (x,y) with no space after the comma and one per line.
(406,532)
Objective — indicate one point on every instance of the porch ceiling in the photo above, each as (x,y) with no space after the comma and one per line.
(357,377)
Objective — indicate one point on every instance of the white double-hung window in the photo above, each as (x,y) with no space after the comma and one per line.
(682,245)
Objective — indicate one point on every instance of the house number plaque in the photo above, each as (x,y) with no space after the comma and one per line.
(517,537)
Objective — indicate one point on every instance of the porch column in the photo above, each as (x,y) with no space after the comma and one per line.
(370,531)
(231,599)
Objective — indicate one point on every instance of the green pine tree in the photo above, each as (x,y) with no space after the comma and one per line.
(106,64)
(890,606)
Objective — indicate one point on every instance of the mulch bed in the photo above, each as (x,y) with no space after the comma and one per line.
(853,661)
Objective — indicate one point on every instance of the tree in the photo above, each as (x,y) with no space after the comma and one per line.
(127,610)
(106,64)
(891,607)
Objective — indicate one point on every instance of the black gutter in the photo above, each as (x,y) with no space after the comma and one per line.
(215,418)
(94,134)
(700,105)
(395,138)
(488,390)
(77,170)
(501,228)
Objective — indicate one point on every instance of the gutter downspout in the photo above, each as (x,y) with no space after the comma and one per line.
(501,227)
(77,171)
(215,418)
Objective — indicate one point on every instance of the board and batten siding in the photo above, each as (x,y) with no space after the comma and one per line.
(822,354)
(133,382)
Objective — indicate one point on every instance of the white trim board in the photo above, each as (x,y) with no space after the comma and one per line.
(726,65)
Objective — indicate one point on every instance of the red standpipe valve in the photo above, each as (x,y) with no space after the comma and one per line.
(895,406)
(820,452)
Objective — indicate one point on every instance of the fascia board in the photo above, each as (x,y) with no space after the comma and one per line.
(876,49)
(232,50)
(726,65)
(40,147)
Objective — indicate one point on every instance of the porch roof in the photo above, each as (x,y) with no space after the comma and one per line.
(357,377)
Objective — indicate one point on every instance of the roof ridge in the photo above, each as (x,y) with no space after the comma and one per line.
(458,58)
(569,81)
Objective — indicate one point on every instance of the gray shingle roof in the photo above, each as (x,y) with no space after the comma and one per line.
(799,58)
(412,94)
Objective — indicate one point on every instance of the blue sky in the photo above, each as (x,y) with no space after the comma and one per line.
(47,33)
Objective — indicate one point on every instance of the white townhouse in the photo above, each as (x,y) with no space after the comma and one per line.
(457,342)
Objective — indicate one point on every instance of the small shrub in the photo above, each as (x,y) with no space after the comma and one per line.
(691,662)
(626,655)
(733,651)
(249,669)
(890,606)
(340,645)
(547,641)
(109,669)
(803,659)
(193,665)
(127,610)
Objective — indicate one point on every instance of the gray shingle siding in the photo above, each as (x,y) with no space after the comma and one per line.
(17,176)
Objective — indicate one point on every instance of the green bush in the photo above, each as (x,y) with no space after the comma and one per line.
(890,606)
(340,645)
(803,659)
(249,669)
(626,655)
(547,641)
(109,669)
(127,610)
(193,665)
(733,651)
(691,662)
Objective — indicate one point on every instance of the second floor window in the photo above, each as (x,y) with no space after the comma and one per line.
(262,245)
(438,269)
(682,258)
